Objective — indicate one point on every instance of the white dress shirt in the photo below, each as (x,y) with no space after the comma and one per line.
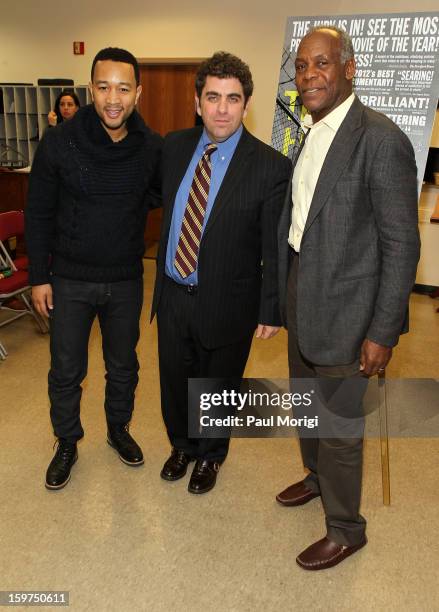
(309,165)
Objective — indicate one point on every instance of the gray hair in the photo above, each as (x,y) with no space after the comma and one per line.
(347,48)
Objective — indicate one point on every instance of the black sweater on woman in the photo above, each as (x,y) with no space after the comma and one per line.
(88,200)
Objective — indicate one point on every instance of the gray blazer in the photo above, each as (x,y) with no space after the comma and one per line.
(360,246)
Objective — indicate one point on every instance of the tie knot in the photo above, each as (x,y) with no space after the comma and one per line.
(211,148)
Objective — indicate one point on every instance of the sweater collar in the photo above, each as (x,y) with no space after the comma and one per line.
(89,120)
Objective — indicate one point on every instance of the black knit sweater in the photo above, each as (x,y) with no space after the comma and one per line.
(88,200)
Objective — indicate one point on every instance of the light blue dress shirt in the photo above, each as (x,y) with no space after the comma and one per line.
(220,162)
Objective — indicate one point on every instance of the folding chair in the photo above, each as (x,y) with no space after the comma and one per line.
(16,279)
(12,226)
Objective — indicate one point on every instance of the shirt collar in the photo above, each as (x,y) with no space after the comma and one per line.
(334,119)
(227,147)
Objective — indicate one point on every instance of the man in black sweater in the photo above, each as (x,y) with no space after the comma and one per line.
(92,181)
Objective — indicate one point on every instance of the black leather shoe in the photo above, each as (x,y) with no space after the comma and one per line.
(58,472)
(129,451)
(175,466)
(203,477)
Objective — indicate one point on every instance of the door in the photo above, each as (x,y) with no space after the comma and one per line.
(166,104)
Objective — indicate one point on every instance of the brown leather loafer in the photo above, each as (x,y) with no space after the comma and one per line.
(296,495)
(326,553)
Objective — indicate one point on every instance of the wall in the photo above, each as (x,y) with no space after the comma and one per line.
(36,37)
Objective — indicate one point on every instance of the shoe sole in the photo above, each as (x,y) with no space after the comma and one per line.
(333,562)
(130,463)
(290,504)
(198,492)
(63,484)
(172,478)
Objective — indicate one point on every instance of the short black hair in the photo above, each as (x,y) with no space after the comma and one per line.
(65,92)
(225,66)
(116,55)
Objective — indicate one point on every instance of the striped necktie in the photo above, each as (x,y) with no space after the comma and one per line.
(188,246)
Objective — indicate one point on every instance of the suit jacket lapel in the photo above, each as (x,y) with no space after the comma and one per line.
(181,161)
(285,216)
(336,159)
(288,197)
(236,170)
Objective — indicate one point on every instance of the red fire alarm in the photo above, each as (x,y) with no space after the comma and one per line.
(78,48)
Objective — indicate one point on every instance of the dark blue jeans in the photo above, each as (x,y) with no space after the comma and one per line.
(76,304)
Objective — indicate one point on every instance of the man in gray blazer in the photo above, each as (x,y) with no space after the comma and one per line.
(348,251)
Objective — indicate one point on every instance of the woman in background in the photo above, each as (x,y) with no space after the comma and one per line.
(66,105)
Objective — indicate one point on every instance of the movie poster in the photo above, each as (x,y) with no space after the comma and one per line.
(397,57)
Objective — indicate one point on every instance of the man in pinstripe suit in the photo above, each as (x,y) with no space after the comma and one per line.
(216,285)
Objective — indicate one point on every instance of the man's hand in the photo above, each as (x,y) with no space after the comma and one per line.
(374,357)
(52,118)
(42,299)
(266,331)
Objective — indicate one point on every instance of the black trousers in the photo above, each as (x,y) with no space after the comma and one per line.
(335,463)
(182,356)
(76,304)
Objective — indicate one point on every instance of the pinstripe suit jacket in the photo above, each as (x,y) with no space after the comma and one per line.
(235,292)
(360,244)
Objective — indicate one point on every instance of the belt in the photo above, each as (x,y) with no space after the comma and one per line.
(190,289)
